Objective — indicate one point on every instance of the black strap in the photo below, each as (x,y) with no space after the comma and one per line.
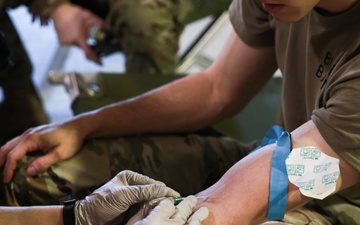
(68,212)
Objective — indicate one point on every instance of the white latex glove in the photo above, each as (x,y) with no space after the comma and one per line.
(166,213)
(107,204)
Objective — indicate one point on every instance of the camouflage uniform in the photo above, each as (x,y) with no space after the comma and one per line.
(21,108)
(187,163)
(148,31)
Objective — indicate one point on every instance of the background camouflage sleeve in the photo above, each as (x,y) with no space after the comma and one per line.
(149,30)
(203,8)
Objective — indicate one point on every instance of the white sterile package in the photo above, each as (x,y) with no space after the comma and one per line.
(314,172)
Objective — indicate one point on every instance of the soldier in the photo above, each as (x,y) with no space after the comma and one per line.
(316,46)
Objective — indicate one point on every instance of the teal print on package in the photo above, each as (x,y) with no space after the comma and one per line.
(278,174)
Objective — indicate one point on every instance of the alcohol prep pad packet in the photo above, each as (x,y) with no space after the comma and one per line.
(314,172)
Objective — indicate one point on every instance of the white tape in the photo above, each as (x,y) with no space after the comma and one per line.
(314,172)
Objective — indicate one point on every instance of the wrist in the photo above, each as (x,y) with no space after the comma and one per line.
(59,10)
(79,126)
(68,212)
(87,125)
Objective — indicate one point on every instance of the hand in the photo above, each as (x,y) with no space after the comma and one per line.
(43,8)
(166,213)
(58,142)
(108,203)
(72,24)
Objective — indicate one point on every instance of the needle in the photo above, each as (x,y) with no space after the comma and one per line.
(177,200)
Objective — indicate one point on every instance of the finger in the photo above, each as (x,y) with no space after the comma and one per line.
(139,214)
(172,193)
(91,23)
(15,155)
(131,195)
(163,211)
(184,208)
(25,144)
(41,164)
(134,178)
(89,53)
(92,20)
(199,216)
(4,150)
(128,178)
(12,144)
(147,192)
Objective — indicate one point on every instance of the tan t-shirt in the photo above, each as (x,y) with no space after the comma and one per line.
(319,58)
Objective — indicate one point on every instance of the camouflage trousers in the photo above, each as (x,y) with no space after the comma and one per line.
(186,163)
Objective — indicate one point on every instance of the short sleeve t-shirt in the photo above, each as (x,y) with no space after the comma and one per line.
(319,58)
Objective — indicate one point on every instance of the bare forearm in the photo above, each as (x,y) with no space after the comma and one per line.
(241,196)
(178,107)
(192,102)
(39,215)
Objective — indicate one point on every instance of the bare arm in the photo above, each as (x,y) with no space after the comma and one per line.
(39,215)
(244,189)
(192,102)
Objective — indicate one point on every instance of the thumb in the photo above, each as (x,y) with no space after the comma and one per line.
(172,193)
(184,208)
(199,216)
(89,53)
(164,210)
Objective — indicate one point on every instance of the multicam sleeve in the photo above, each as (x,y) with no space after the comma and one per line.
(149,31)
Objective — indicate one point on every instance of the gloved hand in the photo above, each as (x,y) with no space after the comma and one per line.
(166,213)
(108,203)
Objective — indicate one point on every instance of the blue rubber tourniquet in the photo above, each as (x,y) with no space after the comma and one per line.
(278,173)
